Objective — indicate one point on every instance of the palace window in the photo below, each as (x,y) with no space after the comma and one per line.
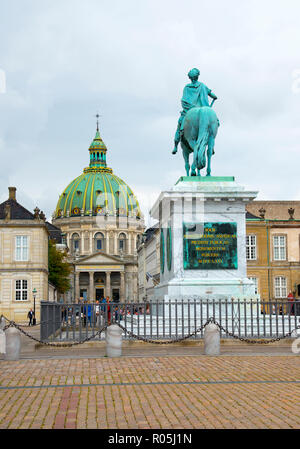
(99,241)
(280,287)
(279,247)
(22,248)
(255,281)
(21,290)
(251,247)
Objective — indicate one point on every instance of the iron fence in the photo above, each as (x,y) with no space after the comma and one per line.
(169,319)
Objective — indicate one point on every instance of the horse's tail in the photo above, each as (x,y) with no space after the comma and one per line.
(202,141)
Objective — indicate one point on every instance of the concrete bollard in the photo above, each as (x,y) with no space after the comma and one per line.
(211,340)
(2,342)
(114,341)
(2,336)
(13,344)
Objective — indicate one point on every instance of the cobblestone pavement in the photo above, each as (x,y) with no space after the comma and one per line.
(151,392)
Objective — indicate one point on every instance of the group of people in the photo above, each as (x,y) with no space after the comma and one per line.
(101,312)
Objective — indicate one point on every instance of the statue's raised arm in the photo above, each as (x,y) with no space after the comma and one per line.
(197,125)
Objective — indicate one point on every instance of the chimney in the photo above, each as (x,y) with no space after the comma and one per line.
(12,193)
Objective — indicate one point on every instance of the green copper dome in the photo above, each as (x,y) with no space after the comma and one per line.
(97,191)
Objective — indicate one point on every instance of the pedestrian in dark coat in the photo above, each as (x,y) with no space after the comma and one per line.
(30,317)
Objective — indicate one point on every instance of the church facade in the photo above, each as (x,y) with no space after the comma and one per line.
(101,224)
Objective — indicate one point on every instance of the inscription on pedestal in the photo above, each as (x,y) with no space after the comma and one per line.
(209,246)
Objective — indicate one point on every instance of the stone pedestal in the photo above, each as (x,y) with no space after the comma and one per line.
(203,240)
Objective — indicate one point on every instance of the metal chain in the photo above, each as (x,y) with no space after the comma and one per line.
(253,341)
(56,345)
(21,325)
(163,342)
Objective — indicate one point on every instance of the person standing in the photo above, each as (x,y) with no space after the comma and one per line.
(291,298)
(30,317)
(108,310)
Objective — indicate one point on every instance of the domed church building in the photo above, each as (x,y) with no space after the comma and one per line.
(101,223)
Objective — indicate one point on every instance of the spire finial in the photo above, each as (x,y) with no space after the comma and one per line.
(97,116)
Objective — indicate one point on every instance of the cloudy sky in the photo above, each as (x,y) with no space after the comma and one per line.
(61,61)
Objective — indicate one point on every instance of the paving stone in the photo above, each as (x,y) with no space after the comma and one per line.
(153,392)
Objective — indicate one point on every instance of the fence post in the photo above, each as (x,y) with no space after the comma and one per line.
(13,344)
(211,339)
(114,341)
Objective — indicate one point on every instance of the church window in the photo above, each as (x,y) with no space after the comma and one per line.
(99,241)
(122,242)
(75,242)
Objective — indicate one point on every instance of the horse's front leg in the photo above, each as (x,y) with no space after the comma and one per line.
(186,157)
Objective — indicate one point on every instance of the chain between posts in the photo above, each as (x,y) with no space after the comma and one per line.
(55,345)
(210,320)
(150,340)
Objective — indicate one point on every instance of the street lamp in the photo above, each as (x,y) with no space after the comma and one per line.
(34,292)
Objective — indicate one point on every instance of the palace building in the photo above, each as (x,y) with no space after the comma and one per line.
(23,258)
(101,223)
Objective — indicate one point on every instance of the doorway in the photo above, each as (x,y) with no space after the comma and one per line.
(99,294)
(83,294)
(115,295)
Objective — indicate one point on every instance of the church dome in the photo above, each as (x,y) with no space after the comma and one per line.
(97,191)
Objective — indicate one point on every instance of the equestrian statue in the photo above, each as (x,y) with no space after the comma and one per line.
(197,125)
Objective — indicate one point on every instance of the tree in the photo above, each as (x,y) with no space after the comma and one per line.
(59,270)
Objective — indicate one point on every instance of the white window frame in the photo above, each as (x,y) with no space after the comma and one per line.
(21,248)
(255,280)
(22,289)
(279,244)
(251,247)
(280,287)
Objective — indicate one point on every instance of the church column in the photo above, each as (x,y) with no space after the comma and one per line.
(106,247)
(77,286)
(122,286)
(82,243)
(91,243)
(129,243)
(115,243)
(91,287)
(107,284)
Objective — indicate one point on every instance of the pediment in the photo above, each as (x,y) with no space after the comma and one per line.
(99,258)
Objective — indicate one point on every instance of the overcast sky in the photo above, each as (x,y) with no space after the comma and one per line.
(64,60)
